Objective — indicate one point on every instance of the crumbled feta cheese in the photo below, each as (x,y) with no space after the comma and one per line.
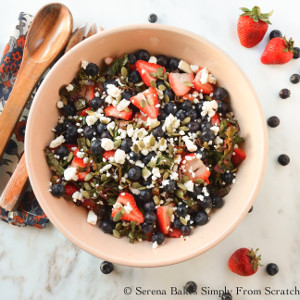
(152,59)
(154,245)
(113,91)
(184,66)
(70,174)
(84,64)
(174,176)
(165,182)
(105,168)
(91,120)
(92,218)
(189,185)
(127,208)
(107,144)
(86,160)
(57,142)
(209,108)
(77,196)
(171,123)
(140,164)
(109,99)
(190,145)
(80,154)
(155,172)
(120,156)
(134,191)
(123,104)
(111,125)
(69,87)
(105,119)
(215,129)
(194,68)
(218,140)
(60,104)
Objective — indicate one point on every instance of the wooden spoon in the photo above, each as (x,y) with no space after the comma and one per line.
(47,37)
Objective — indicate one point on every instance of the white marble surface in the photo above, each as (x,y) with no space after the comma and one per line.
(42,264)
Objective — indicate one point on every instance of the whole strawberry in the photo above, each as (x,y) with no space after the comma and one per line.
(252,26)
(278,51)
(244,262)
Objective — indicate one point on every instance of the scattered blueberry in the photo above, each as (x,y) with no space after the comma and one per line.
(284,93)
(158,237)
(273,121)
(217,201)
(295,78)
(207,135)
(126,144)
(201,218)
(143,55)
(126,95)
(206,202)
(275,33)
(69,109)
(134,173)
(170,187)
(171,108)
(182,210)
(134,77)
(131,59)
(296,52)
(145,195)
(72,131)
(158,132)
(192,114)
(176,223)
(251,209)
(106,135)
(180,115)
(283,159)
(107,226)
(149,206)
(226,296)
(146,159)
(150,217)
(272,269)
(222,107)
(91,69)
(96,103)
(89,132)
(227,177)
(57,190)
(59,128)
(62,151)
(96,148)
(193,126)
(162,60)
(152,18)
(173,63)
(147,228)
(106,267)
(162,115)
(101,128)
(199,107)
(190,287)
(170,94)
(220,93)
(185,230)
(135,156)
(186,105)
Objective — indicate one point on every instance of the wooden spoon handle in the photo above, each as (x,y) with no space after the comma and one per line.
(25,83)
(16,187)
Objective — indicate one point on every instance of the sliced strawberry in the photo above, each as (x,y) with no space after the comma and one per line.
(205,88)
(189,97)
(89,203)
(181,83)
(215,120)
(132,67)
(126,199)
(238,156)
(71,147)
(147,102)
(90,92)
(194,168)
(84,112)
(145,69)
(70,189)
(79,164)
(111,111)
(108,154)
(174,233)
(164,214)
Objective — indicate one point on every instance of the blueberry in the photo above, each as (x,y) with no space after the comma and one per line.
(160,82)
(251,209)
(150,217)
(69,109)
(135,173)
(67,123)
(199,107)
(273,121)
(146,182)
(197,191)
(170,187)
(134,156)
(192,114)
(57,190)
(186,105)
(284,93)
(222,107)
(96,103)
(89,132)
(110,81)
(182,210)
(91,69)
(295,78)
(134,77)
(205,126)
(228,177)
(180,115)
(162,60)
(149,206)
(126,144)
(145,195)
(173,63)
(176,223)
(131,58)
(202,153)
(59,128)
(162,115)
(207,136)
(62,151)
(220,93)
(96,148)
(158,237)
(226,296)
(171,108)
(296,52)
(170,94)
(217,201)
(191,287)
(146,159)
(147,228)
(193,126)
(152,18)
(158,132)
(107,226)
(185,230)
(272,269)
(70,139)
(101,128)
(106,267)
(106,135)
(275,33)
(126,95)
(72,131)
(283,159)
(143,55)
(206,202)
(201,218)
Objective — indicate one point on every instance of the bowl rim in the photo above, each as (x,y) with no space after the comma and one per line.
(185,256)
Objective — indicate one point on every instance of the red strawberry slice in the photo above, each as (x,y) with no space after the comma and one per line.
(108,154)
(194,168)
(70,189)
(89,203)
(205,88)
(189,97)
(147,102)
(111,111)
(164,214)
(145,69)
(84,112)
(90,92)
(181,83)
(215,120)
(79,164)
(126,199)
(238,156)
(174,233)
(71,147)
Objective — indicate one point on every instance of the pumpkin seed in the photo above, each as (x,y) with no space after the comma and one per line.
(150,101)
(179,194)
(171,149)
(162,87)
(156,200)
(124,72)
(143,103)
(198,181)
(116,234)
(145,172)
(141,144)
(133,226)
(118,226)
(166,175)
(85,194)
(207,98)
(182,186)
(183,221)
(136,148)
(154,124)
(88,177)
(70,156)
(170,211)
(88,142)
(153,74)
(87,186)
(152,141)
(186,121)
(136,185)
(153,83)
(118,216)
(186,178)
(105,121)
(184,128)
(167,84)
(103,178)
(127,109)
(160,72)
(167,99)
(151,164)
(187,83)
(139,84)
(117,143)
(166,75)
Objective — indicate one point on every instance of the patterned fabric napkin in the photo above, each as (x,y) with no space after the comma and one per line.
(29,212)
